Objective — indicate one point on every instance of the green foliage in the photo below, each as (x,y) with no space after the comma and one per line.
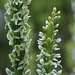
(18,36)
(48,59)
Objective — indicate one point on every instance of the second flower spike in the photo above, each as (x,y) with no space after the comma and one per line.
(47,60)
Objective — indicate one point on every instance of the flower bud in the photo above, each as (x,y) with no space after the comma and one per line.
(49,39)
(50,62)
(58,12)
(54,9)
(54,46)
(58,40)
(59,17)
(47,22)
(39,65)
(44,28)
(49,18)
(55,17)
(52,23)
(56,26)
(56,31)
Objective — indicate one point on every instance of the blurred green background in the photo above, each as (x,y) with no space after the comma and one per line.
(39,11)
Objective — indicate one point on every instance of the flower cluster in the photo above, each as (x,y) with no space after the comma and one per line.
(18,36)
(47,43)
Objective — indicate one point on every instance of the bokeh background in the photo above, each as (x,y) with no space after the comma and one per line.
(39,11)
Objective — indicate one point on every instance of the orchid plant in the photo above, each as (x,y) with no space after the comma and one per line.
(48,59)
(16,17)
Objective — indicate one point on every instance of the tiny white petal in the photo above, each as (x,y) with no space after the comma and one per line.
(57,49)
(55,59)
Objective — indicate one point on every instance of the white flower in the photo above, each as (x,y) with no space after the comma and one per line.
(57,56)
(47,22)
(41,34)
(59,72)
(28,71)
(43,38)
(58,12)
(39,72)
(48,55)
(40,42)
(46,26)
(56,25)
(41,61)
(40,66)
(39,56)
(54,46)
(58,40)
(55,17)
(58,63)
(59,17)
(40,47)
(55,64)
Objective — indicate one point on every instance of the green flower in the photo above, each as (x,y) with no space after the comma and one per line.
(16,18)
(17,2)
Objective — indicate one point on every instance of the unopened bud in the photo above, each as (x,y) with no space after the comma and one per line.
(58,40)
(50,62)
(52,23)
(56,26)
(55,45)
(49,18)
(49,39)
(56,31)
(47,22)
(44,28)
(55,17)
(54,9)
(58,12)
(59,17)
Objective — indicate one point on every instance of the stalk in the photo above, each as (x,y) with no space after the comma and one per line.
(16,17)
(48,60)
